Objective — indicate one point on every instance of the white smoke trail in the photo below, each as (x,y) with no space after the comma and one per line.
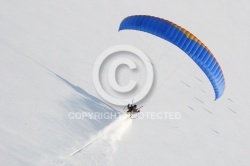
(101,147)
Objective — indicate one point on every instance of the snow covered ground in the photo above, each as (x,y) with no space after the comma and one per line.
(47,53)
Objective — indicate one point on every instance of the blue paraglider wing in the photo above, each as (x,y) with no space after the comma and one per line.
(183,39)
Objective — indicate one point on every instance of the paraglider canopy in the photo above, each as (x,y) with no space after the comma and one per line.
(183,39)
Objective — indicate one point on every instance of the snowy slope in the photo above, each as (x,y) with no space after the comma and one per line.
(35,104)
(47,52)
